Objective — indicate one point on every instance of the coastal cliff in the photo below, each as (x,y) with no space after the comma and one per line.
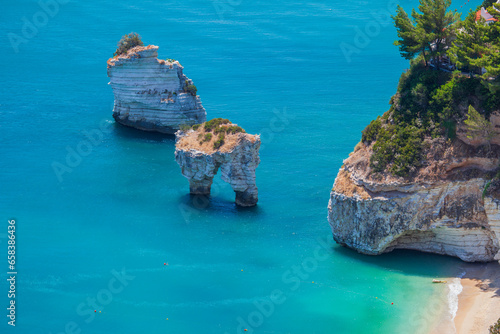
(449,206)
(205,148)
(426,173)
(152,94)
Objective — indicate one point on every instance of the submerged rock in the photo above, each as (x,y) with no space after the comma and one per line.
(450,207)
(152,94)
(201,152)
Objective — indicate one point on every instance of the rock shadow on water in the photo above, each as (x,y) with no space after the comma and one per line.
(129,133)
(195,205)
(409,262)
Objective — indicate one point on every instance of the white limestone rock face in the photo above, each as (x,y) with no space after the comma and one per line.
(446,209)
(492,207)
(150,94)
(448,218)
(238,160)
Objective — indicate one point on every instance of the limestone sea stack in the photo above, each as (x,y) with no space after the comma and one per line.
(450,205)
(152,94)
(205,148)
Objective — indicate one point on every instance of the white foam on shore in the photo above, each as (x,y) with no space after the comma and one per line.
(455,288)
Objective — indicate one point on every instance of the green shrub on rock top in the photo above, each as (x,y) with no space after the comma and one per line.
(128,42)
(185,127)
(204,138)
(495,329)
(234,129)
(191,89)
(219,142)
(208,137)
(215,123)
(215,126)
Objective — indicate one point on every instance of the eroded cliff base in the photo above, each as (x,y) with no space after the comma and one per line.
(448,206)
(144,125)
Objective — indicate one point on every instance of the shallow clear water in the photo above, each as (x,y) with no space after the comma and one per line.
(125,204)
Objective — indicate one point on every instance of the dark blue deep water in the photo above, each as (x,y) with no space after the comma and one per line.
(307,76)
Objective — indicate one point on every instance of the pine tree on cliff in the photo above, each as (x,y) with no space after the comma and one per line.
(478,127)
(411,42)
(493,56)
(428,33)
(477,46)
(468,48)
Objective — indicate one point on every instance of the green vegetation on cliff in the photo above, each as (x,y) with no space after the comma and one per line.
(429,103)
(218,127)
(495,329)
(128,42)
(427,33)
(478,126)
(215,126)
(191,89)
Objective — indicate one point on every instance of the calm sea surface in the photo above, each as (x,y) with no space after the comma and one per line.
(117,232)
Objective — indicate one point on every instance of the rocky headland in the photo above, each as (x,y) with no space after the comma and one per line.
(450,205)
(426,174)
(152,94)
(203,149)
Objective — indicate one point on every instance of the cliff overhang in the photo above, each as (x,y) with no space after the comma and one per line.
(449,206)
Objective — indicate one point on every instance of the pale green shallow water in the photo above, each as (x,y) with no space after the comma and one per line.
(126,205)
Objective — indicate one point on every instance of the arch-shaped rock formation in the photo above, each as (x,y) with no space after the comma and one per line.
(237,158)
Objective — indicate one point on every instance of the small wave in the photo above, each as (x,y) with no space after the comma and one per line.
(455,288)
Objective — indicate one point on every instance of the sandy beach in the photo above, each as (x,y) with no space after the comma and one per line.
(479,301)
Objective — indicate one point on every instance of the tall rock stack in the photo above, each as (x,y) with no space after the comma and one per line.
(152,94)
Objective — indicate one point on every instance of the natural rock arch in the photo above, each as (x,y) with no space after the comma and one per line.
(237,160)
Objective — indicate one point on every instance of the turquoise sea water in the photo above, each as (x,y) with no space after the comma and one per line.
(276,68)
